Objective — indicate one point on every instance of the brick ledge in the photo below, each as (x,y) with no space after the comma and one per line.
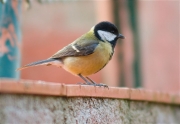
(56,89)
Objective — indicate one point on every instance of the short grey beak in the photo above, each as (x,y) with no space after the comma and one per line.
(121,36)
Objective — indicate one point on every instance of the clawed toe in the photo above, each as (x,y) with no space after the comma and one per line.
(87,83)
(81,83)
(102,85)
(94,84)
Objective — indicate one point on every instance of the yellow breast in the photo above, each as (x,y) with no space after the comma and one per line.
(87,65)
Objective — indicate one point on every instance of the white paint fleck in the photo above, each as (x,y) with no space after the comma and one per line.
(56,63)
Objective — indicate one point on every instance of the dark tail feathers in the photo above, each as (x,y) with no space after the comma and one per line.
(41,62)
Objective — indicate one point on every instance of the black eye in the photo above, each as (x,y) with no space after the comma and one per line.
(112,31)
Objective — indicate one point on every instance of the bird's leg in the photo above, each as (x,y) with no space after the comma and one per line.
(91,80)
(86,81)
(95,84)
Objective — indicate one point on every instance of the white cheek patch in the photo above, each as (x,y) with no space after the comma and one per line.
(106,36)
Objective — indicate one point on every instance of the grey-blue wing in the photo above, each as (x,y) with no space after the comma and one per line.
(76,50)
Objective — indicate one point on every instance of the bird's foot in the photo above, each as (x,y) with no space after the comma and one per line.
(94,84)
(101,85)
(81,83)
(87,83)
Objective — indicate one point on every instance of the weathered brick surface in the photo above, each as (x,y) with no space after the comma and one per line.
(31,109)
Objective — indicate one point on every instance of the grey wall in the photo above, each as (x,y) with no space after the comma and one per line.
(34,109)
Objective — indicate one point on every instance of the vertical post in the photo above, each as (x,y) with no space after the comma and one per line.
(132,5)
(120,55)
(10,38)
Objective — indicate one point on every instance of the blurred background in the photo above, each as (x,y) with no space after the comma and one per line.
(148,57)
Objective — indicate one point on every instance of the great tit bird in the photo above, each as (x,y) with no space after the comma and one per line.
(86,55)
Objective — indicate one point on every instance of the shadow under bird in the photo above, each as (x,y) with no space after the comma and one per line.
(86,55)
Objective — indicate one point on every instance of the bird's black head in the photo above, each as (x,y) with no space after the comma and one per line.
(106,31)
